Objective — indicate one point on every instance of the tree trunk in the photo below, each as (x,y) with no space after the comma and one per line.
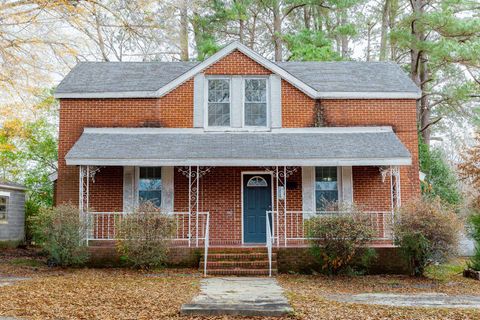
(370,26)
(98,30)
(393,11)
(344,38)
(384,31)
(306,17)
(184,54)
(277,31)
(252,32)
(419,68)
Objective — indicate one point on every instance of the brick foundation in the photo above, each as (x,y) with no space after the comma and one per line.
(298,260)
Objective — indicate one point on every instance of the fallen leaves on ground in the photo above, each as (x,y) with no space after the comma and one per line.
(306,294)
(98,294)
(55,293)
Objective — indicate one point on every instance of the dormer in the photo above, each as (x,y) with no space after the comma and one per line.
(237,102)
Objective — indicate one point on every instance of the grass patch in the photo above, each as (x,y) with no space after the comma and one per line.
(10,244)
(446,271)
(25,262)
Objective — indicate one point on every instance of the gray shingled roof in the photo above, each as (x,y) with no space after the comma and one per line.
(89,77)
(11,185)
(101,77)
(135,147)
(349,76)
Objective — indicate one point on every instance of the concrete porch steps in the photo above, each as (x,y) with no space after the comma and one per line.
(239,262)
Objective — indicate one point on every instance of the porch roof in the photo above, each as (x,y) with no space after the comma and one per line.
(335,146)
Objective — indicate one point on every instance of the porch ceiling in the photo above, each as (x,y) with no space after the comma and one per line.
(280,147)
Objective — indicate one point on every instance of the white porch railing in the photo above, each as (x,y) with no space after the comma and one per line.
(190,229)
(294,227)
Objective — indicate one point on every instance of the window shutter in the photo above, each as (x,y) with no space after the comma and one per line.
(308,189)
(347,185)
(128,188)
(198,100)
(276,101)
(236,106)
(167,188)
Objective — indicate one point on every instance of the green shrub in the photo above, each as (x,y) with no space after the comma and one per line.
(427,231)
(59,231)
(145,236)
(474,222)
(339,241)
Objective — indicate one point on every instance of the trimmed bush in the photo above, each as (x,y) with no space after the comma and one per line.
(339,241)
(59,231)
(427,231)
(144,237)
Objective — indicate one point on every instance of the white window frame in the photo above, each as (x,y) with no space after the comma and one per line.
(137,186)
(267,85)
(205,117)
(5,195)
(207,127)
(339,186)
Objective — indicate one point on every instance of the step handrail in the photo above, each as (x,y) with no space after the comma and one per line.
(269,243)
(207,240)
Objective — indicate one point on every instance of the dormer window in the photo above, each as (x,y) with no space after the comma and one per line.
(255,105)
(236,102)
(219,102)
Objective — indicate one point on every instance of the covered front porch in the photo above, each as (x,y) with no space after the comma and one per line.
(245,189)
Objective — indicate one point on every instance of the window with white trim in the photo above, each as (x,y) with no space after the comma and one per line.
(218,103)
(3,209)
(326,187)
(150,185)
(255,102)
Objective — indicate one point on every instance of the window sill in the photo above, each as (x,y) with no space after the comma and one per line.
(3,222)
(244,129)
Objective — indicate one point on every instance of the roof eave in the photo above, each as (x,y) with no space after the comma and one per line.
(318,95)
(395,161)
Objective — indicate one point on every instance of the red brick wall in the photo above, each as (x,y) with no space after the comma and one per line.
(173,110)
(220,194)
(298,110)
(221,188)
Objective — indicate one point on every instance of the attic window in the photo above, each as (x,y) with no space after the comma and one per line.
(219,102)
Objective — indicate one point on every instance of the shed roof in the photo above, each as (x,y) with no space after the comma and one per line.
(11,185)
(295,147)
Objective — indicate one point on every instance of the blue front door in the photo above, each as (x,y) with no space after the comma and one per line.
(257,199)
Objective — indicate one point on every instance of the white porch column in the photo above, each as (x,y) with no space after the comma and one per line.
(167,189)
(308,189)
(347,185)
(128,188)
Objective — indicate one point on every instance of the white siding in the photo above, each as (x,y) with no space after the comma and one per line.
(276,101)
(236,106)
(198,100)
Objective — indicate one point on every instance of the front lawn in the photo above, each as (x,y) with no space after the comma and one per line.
(307,294)
(125,294)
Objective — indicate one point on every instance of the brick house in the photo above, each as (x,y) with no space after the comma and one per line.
(239,139)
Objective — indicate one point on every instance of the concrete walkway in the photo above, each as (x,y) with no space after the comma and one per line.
(239,296)
(8,281)
(430,300)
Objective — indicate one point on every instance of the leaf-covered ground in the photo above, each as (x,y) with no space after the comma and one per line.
(126,294)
